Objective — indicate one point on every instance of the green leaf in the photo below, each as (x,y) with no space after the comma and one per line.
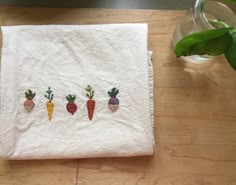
(117,91)
(89,88)
(88,95)
(73,98)
(211,42)
(230,54)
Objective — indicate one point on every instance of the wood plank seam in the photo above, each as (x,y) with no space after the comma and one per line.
(77,172)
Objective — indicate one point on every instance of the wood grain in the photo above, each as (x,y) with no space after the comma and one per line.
(43,172)
(195,119)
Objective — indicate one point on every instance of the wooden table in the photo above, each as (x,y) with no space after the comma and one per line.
(195,114)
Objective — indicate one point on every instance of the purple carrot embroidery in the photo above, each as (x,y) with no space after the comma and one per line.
(29,104)
(113,103)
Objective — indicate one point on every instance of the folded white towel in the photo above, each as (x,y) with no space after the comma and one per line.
(67,59)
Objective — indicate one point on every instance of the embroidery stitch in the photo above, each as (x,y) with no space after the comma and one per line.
(29,104)
(71,106)
(50,104)
(90,103)
(113,103)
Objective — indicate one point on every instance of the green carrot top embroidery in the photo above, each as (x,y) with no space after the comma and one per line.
(113,92)
(90,92)
(70,98)
(49,95)
(29,95)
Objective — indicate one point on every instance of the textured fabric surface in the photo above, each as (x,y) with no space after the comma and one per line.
(68,58)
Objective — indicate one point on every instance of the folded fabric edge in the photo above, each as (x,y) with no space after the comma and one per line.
(70,157)
(72,25)
(151,89)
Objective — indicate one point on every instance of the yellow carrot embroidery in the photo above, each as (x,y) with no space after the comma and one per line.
(50,105)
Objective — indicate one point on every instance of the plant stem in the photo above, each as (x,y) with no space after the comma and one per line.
(220,23)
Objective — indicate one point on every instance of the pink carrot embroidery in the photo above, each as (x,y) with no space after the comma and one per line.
(113,103)
(29,104)
(90,103)
(71,106)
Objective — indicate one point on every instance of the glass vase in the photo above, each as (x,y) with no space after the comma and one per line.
(200,18)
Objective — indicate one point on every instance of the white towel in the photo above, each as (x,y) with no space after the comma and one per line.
(67,58)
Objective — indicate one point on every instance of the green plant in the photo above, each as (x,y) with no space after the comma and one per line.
(212,42)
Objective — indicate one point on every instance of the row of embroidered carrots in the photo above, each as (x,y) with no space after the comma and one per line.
(71,107)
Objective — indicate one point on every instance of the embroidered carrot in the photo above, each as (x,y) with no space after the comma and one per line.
(113,103)
(29,104)
(90,103)
(71,106)
(50,104)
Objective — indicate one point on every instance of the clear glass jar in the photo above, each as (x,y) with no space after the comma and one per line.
(197,20)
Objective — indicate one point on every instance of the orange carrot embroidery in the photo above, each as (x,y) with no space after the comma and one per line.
(50,104)
(113,103)
(71,106)
(29,104)
(90,103)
